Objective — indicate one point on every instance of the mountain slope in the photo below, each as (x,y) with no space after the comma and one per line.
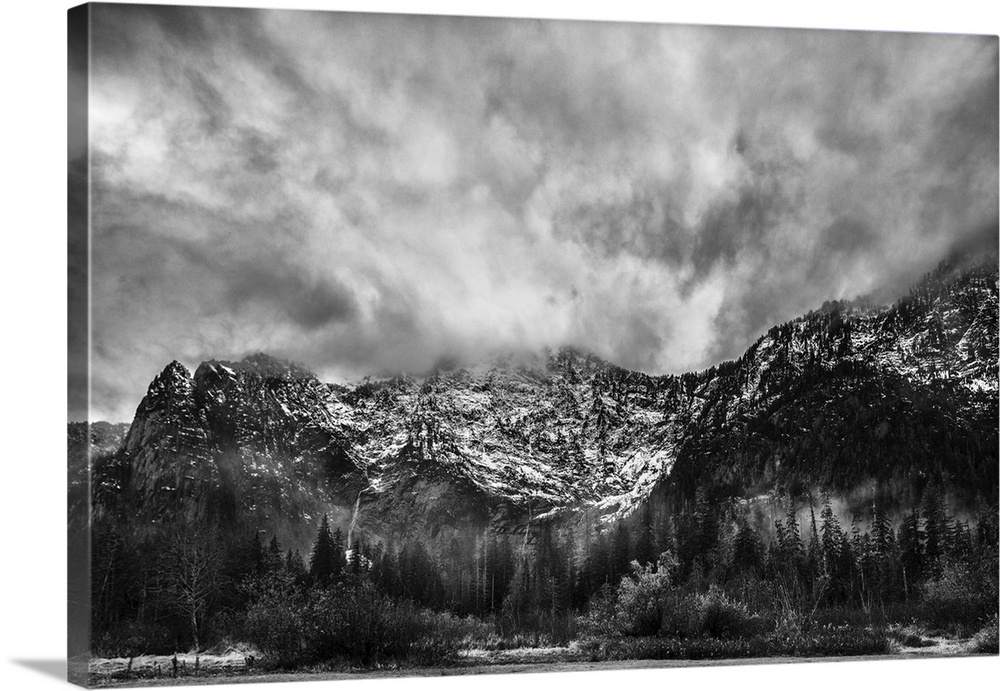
(849,394)
(853,392)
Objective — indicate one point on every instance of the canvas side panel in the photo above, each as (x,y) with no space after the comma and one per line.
(78,270)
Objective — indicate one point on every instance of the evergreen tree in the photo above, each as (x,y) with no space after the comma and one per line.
(339,552)
(961,549)
(296,567)
(815,559)
(747,550)
(385,572)
(273,558)
(881,530)
(793,532)
(987,529)
(832,535)
(910,553)
(698,533)
(937,529)
(325,560)
(836,552)
(777,551)
(254,556)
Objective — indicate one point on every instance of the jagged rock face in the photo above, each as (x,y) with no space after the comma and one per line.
(524,441)
(844,395)
(854,393)
(236,442)
(502,443)
(168,424)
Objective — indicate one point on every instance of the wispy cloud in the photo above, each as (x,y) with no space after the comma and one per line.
(362,192)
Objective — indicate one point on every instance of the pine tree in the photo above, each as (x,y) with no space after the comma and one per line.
(937,529)
(961,544)
(987,528)
(836,551)
(250,556)
(386,571)
(881,530)
(815,559)
(777,551)
(747,550)
(323,561)
(911,558)
(273,559)
(296,567)
(339,553)
(793,532)
(698,533)
(832,534)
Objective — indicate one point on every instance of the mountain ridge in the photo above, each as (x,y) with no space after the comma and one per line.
(849,394)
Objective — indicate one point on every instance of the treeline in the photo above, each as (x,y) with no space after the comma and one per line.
(195,589)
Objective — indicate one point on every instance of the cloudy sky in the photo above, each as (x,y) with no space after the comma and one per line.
(362,193)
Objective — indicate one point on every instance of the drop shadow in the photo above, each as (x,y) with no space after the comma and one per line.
(50,668)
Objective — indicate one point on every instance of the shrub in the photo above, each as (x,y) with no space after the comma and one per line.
(353,623)
(635,608)
(133,638)
(358,624)
(646,604)
(276,626)
(960,599)
(441,636)
(717,616)
(986,640)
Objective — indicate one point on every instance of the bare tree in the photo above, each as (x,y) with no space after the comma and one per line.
(193,577)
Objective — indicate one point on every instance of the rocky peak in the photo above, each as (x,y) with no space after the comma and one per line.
(174,379)
(168,404)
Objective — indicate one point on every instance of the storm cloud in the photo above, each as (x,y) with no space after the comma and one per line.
(364,193)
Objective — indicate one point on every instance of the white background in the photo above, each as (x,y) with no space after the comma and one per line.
(32,324)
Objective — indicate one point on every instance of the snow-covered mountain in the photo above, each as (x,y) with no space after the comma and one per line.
(848,394)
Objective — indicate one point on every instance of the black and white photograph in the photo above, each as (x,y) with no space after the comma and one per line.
(409,345)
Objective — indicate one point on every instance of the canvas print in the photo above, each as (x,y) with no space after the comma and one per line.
(403,343)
